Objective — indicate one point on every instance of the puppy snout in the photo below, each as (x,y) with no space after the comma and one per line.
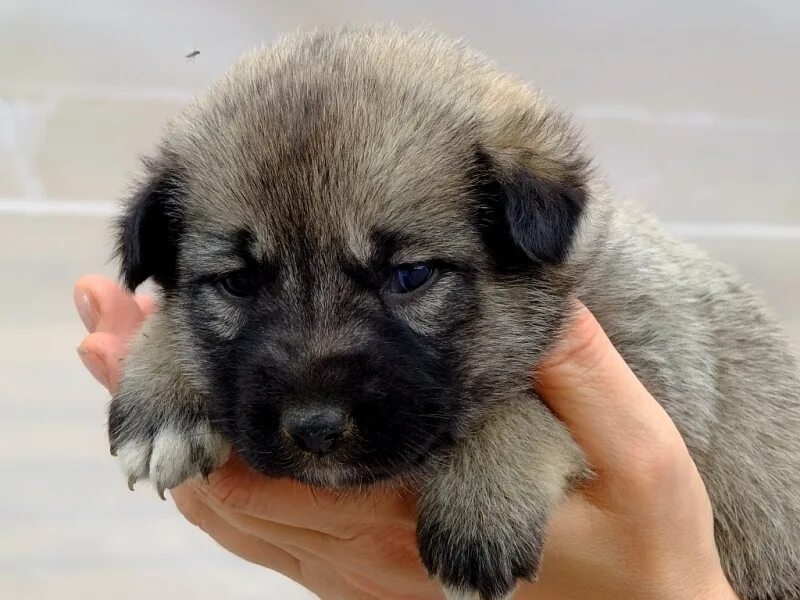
(317,430)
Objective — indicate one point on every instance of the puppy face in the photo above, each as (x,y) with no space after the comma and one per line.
(361,241)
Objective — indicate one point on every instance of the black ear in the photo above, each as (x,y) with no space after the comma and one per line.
(525,216)
(149,231)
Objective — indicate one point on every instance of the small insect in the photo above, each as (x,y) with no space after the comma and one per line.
(192,54)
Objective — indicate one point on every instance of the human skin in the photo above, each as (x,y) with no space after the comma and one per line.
(641,529)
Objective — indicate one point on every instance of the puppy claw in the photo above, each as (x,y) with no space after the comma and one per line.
(177,450)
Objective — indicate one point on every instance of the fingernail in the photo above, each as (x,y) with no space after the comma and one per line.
(87,309)
(94,365)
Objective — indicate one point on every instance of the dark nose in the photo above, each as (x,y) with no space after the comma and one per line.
(316,430)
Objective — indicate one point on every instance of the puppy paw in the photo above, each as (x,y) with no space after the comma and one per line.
(162,441)
(478,555)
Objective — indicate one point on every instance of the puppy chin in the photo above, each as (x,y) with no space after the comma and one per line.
(331,476)
(330,473)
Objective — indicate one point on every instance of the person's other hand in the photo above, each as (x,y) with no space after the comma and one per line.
(642,528)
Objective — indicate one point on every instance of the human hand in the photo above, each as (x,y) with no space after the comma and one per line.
(643,528)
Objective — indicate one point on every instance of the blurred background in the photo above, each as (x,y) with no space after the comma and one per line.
(692,109)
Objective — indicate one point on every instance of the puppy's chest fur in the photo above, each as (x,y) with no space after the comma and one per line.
(276,218)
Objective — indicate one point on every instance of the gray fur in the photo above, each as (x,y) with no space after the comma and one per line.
(365,128)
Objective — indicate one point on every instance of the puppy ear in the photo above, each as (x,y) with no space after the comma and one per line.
(149,231)
(529,209)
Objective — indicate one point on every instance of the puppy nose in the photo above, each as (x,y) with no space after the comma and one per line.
(315,430)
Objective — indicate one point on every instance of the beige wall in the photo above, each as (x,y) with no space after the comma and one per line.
(691,107)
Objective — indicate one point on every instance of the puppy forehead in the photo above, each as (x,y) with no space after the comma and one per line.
(370,181)
(321,140)
(408,228)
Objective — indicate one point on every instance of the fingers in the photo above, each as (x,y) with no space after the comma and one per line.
(326,564)
(610,413)
(246,546)
(104,306)
(282,534)
(102,354)
(111,316)
(237,488)
(292,559)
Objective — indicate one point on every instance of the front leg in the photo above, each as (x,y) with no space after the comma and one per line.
(482,517)
(158,424)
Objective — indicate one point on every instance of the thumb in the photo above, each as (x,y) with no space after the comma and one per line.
(611,415)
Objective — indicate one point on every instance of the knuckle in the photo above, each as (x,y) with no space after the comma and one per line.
(658,463)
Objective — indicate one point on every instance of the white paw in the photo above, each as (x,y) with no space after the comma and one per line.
(172,456)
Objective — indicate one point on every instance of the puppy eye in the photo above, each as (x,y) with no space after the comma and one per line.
(239,283)
(407,278)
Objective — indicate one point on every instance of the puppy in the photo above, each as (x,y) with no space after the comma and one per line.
(364,241)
